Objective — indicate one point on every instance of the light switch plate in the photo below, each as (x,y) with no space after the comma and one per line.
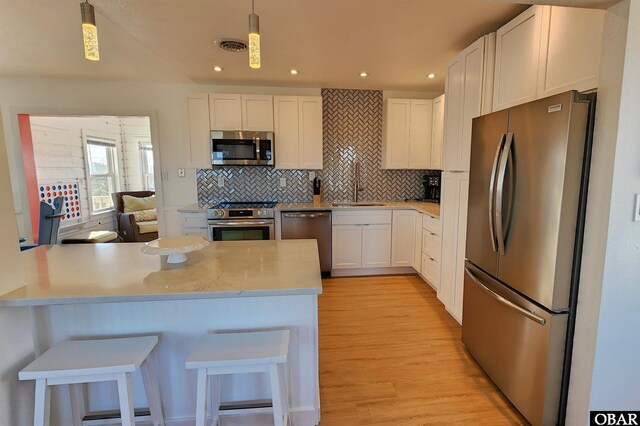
(181,172)
(283,182)
(636,209)
(220,181)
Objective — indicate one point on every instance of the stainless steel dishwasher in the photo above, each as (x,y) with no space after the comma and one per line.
(311,225)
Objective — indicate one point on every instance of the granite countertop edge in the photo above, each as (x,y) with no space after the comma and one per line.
(432,209)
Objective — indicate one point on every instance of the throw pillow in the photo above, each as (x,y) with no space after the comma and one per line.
(145,215)
(134,204)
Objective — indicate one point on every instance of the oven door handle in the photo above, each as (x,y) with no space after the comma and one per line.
(231,223)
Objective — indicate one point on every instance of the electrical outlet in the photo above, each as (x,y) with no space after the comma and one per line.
(181,172)
(283,182)
(312,175)
(636,209)
(220,181)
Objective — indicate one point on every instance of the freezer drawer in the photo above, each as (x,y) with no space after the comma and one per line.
(519,345)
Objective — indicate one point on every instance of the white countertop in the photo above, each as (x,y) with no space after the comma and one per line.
(432,209)
(98,273)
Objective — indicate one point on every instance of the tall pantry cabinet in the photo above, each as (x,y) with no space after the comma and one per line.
(468,90)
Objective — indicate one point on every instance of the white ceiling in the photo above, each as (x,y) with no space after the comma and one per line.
(397,42)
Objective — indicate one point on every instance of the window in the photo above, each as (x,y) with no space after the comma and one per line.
(102,172)
(146,165)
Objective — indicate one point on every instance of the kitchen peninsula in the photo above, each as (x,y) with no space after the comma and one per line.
(107,290)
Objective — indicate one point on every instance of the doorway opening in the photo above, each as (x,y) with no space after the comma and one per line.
(89,162)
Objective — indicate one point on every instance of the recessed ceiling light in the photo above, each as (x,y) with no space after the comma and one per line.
(294,72)
(432,75)
(363,74)
(217,69)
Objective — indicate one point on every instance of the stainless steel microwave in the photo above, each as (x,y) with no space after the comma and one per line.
(241,148)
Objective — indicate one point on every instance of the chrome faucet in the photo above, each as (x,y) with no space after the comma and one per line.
(356,181)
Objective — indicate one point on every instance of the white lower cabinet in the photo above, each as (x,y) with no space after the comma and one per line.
(454,206)
(430,270)
(194,224)
(430,247)
(346,250)
(402,237)
(376,246)
(361,239)
(417,242)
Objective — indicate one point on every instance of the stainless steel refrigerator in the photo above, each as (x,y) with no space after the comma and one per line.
(527,195)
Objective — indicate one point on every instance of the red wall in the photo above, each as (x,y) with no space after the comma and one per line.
(30,176)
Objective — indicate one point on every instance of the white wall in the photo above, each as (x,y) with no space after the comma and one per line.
(59,153)
(16,344)
(133,131)
(596,229)
(616,369)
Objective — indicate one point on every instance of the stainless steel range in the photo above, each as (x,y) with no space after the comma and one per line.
(241,221)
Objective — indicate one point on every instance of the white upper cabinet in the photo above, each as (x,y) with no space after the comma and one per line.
(199,133)
(453,114)
(298,132)
(225,112)
(407,135)
(517,50)
(257,112)
(420,133)
(286,129)
(241,112)
(310,132)
(437,133)
(474,63)
(465,89)
(547,50)
(570,50)
(395,148)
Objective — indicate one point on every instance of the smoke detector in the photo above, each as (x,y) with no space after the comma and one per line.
(231,45)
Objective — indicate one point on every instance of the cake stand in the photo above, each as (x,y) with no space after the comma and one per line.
(174,247)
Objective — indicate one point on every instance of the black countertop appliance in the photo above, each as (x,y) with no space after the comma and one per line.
(431,182)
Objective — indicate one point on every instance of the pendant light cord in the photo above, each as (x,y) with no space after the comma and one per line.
(253,4)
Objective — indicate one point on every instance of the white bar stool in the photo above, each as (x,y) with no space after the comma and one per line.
(74,363)
(234,353)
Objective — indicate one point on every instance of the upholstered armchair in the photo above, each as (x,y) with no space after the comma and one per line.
(136,215)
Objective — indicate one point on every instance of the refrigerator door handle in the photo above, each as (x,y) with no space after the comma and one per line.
(527,313)
(502,170)
(492,186)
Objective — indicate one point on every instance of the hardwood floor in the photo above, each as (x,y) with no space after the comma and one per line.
(391,355)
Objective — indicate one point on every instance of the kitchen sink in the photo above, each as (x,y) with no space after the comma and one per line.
(363,204)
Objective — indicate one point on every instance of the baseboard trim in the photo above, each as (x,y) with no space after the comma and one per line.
(372,271)
(305,416)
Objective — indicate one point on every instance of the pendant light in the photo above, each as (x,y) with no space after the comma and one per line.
(254,38)
(89,32)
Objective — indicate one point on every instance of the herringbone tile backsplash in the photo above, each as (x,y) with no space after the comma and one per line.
(352,128)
